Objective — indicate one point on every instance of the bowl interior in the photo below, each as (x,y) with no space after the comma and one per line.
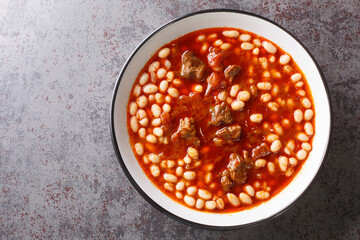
(258,26)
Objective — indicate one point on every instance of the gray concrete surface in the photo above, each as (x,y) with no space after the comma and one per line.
(59,176)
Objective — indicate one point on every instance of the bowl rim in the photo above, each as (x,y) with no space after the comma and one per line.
(126,171)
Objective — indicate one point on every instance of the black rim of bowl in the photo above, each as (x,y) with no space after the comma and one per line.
(129,176)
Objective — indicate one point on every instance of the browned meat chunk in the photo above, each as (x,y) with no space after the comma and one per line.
(192,67)
(231,71)
(260,151)
(187,131)
(235,172)
(220,114)
(227,135)
(214,81)
(215,58)
(166,121)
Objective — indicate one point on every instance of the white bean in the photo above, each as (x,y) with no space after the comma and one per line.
(271,167)
(204,194)
(231,33)
(166,107)
(163,53)
(198,88)
(153,67)
(159,98)
(265,97)
(278,129)
(201,38)
(144,78)
(233,199)
(222,96)
(150,88)
(179,195)
(308,114)
(179,171)
(273,106)
(245,37)
(170,76)
(244,198)
(306,146)
(234,90)
(191,190)
(257,42)
(133,107)
(189,200)
(220,203)
(189,175)
(269,47)
(293,161)
(260,163)
(225,46)
(156,110)
(306,102)
(250,190)
(144,122)
(302,137)
(180,186)
(299,84)
(151,138)
(158,132)
(173,92)
(142,101)
(264,86)
(283,163)
(137,90)
(154,158)
(247,46)
(256,118)
(262,195)
(156,122)
(139,148)
(243,96)
(200,203)
(256,51)
(142,133)
(289,172)
(140,114)
(298,115)
(193,153)
(170,177)
(272,137)
(134,125)
(161,73)
(275,146)
(155,170)
(309,130)
(237,105)
(163,86)
(218,42)
(169,187)
(266,74)
(284,59)
(301,154)
(296,77)
(290,145)
(210,205)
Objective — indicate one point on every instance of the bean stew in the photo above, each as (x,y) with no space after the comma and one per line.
(221,119)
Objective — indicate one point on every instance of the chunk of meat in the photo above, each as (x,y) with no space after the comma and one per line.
(260,151)
(235,172)
(214,81)
(193,105)
(215,58)
(192,67)
(227,135)
(187,132)
(220,114)
(231,71)
(166,121)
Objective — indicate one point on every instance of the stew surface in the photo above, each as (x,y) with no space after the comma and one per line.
(221,119)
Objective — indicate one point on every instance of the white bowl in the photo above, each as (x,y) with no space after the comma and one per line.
(211,19)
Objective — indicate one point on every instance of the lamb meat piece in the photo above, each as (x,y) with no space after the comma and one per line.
(187,131)
(231,71)
(214,81)
(227,135)
(225,181)
(215,58)
(220,114)
(192,67)
(260,151)
(235,172)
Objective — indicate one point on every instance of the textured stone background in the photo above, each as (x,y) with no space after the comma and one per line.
(59,176)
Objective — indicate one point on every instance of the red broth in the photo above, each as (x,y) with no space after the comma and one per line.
(212,182)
